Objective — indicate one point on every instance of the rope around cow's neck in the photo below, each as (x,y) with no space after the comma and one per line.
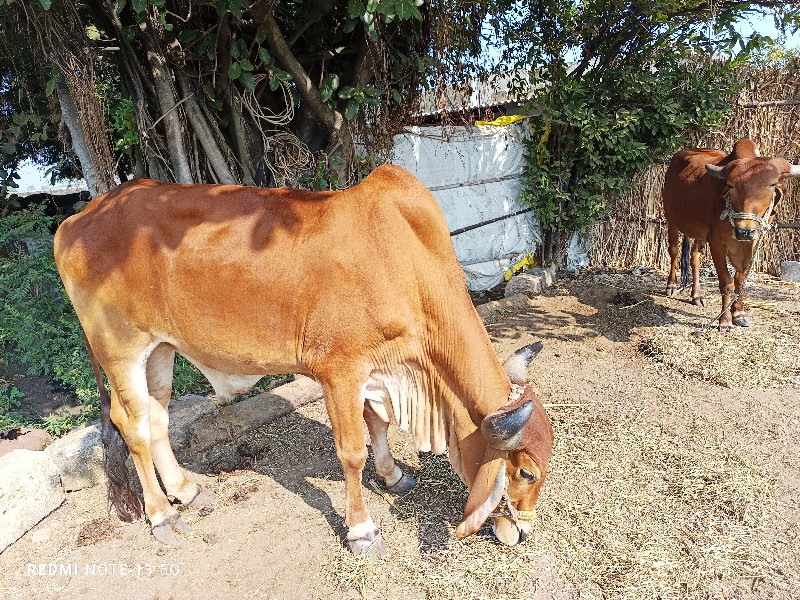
(765,226)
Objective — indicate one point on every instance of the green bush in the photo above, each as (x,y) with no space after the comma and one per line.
(38,327)
(10,398)
(591,135)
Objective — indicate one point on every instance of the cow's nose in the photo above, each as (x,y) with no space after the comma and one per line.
(743,234)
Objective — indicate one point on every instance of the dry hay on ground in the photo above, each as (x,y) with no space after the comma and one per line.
(686,338)
(425,561)
(628,513)
(763,357)
(634,514)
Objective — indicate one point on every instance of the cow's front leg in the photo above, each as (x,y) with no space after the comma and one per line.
(395,480)
(719,256)
(346,412)
(739,315)
(697,296)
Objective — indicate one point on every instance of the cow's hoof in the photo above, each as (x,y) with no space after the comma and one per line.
(202,499)
(672,291)
(742,321)
(699,301)
(373,549)
(725,327)
(405,484)
(165,532)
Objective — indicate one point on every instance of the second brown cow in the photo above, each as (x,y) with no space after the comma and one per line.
(727,201)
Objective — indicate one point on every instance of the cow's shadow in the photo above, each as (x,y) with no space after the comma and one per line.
(297,452)
(609,309)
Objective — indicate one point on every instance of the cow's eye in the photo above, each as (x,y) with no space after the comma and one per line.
(527,475)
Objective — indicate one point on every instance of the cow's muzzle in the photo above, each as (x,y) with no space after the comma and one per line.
(511,526)
(744,234)
(509,532)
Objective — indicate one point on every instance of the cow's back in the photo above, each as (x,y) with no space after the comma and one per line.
(692,199)
(251,280)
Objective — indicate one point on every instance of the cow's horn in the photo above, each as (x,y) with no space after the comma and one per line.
(715,171)
(503,429)
(517,363)
(794,171)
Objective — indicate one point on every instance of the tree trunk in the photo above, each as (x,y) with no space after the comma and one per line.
(69,112)
(239,136)
(169,114)
(236,128)
(338,131)
(138,162)
(204,133)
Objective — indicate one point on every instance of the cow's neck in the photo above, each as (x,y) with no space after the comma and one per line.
(441,395)
(470,367)
(473,385)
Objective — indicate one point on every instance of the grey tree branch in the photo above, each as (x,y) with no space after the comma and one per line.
(69,112)
(333,120)
(204,132)
(172,123)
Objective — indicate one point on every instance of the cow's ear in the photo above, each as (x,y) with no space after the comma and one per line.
(485,492)
(778,195)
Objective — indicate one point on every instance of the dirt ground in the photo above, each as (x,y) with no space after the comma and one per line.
(670,478)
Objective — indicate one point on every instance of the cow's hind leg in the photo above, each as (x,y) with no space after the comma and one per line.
(674,247)
(131,411)
(697,297)
(346,412)
(395,480)
(160,367)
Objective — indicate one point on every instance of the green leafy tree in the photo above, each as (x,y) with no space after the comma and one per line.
(219,90)
(29,120)
(615,86)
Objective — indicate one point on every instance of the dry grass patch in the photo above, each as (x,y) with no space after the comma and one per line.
(426,561)
(632,514)
(760,357)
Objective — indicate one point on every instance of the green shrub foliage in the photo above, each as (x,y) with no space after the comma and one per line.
(590,135)
(39,328)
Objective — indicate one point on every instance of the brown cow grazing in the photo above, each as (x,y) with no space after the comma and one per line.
(359,289)
(727,200)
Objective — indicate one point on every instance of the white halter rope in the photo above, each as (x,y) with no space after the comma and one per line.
(730,214)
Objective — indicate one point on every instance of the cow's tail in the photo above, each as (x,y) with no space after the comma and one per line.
(686,269)
(115,453)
